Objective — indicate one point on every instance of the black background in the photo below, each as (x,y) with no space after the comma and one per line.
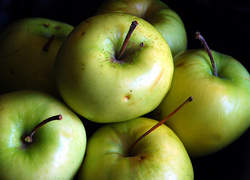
(225,24)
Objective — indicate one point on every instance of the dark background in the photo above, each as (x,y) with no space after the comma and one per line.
(225,26)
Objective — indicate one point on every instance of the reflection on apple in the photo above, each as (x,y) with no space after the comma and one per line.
(220,113)
(103,87)
(33,144)
(163,18)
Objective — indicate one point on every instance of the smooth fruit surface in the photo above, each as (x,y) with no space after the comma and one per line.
(220,112)
(160,155)
(23,62)
(156,12)
(58,147)
(102,88)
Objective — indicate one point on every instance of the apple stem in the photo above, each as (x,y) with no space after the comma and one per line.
(46,46)
(204,43)
(28,138)
(125,42)
(160,123)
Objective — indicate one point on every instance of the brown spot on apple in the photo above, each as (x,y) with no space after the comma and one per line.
(57,27)
(46,25)
(126,98)
(141,158)
(179,64)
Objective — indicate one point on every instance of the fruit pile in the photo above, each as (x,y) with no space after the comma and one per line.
(155,104)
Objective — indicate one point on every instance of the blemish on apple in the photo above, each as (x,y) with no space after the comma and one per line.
(46,25)
(126,98)
(57,27)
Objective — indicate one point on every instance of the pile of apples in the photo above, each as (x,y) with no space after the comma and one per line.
(127,71)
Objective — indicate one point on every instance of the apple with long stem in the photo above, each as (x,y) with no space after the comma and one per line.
(33,145)
(156,12)
(221,113)
(28,49)
(113,67)
(128,150)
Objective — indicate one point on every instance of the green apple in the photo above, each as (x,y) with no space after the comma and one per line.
(57,148)
(160,155)
(104,85)
(220,113)
(163,18)
(28,49)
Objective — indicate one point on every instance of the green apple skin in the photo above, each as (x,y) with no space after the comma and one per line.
(103,89)
(160,155)
(219,113)
(58,147)
(23,62)
(163,18)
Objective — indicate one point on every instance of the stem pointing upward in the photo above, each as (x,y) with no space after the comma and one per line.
(29,139)
(201,38)
(125,43)
(160,123)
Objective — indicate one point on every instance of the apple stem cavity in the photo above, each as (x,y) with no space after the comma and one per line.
(159,123)
(204,43)
(125,42)
(29,139)
(46,46)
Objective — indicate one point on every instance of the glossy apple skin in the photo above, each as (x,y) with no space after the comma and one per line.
(23,62)
(99,87)
(160,155)
(219,113)
(163,18)
(58,147)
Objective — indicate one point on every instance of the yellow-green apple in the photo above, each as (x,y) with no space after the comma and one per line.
(220,114)
(106,73)
(126,150)
(33,145)
(156,12)
(28,49)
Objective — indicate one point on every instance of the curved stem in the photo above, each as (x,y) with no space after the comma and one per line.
(201,38)
(46,46)
(160,123)
(28,138)
(125,42)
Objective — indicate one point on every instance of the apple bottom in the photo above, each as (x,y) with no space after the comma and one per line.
(160,155)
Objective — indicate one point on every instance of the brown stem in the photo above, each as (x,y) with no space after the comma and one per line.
(28,138)
(125,42)
(159,123)
(201,38)
(46,46)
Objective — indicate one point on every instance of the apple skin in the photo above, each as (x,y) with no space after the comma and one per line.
(23,62)
(58,147)
(103,89)
(160,155)
(163,18)
(219,113)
